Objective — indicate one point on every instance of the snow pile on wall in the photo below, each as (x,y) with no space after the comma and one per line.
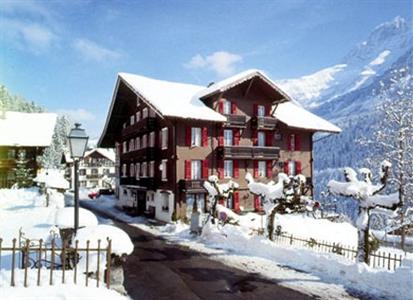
(52,178)
(64,218)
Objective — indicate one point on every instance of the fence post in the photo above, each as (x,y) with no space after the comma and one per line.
(388,265)
(52,260)
(87,262)
(98,265)
(291,239)
(26,260)
(13,263)
(63,260)
(108,262)
(76,261)
(39,257)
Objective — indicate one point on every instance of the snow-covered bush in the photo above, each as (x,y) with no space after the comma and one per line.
(64,218)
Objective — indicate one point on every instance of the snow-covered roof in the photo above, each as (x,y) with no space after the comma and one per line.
(108,153)
(27,129)
(237,79)
(52,178)
(172,99)
(295,116)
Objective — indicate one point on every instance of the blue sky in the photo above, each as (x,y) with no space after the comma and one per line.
(65,55)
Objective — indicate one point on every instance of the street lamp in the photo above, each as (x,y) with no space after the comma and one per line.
(77,144)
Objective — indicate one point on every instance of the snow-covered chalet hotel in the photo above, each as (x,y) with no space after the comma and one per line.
(28,132)
(169,137)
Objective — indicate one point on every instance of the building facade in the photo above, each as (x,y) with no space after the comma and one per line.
(169,137)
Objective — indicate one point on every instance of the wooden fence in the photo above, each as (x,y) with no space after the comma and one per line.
(48,257)
(378,259)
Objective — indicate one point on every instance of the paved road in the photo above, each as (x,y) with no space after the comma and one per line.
(159,270)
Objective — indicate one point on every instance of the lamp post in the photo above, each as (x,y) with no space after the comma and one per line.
(77,144)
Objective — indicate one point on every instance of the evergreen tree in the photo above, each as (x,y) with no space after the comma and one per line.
(23,175)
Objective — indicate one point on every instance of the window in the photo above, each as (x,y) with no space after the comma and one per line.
(145,113)
(261,139)
(132,119)
(195,169)
(291,167)
(228,139)
(137,170)
(124,147)
(164,138)
(137,143)
(137,101)
(152,169)
(138,116)
(291,142)
(226,107)
(131,145)
(82,172)
(228,168)
(144,141)
(152,113)
(164,169)
(94,171)
(260,111)
(124,170)
(131,170)
(106,171)
(195,136)
(262,166)
(144,169)
(152,139)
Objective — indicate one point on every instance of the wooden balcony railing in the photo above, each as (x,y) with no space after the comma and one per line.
(191,186)
(144,125)
(248,152)
(145,154)
(264,123)
(148,182)
(239,121)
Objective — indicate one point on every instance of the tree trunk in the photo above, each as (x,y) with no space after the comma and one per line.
(363,235)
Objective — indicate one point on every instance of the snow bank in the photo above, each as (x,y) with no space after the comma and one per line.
(64,218)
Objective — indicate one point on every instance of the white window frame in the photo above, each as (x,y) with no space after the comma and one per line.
(138,143)
(145,113)
(132,119)
(138,116)
(137,170)
(196,136)
(261,138)
(291,168)
(132,170)
(151,169)
(262,168)
(151,139)
(138,101)
(144,169)
(260,111)
(196,169)
(124,147)
(164,138)
(292,142)
(226,107)
(164,170)
(124,170)
(228,168)
(132,145)
(228,137)
(144,141)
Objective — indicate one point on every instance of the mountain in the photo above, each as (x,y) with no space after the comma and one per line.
(360,67)
(347,94)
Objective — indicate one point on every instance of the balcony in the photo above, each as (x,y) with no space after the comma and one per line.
(238,121)
(191,186)
(264,123)
(148,182)
(144,125)
(248,152)
(93,176)
(145,154)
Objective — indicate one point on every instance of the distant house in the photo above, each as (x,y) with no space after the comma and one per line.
(169,137)
(96,170)
(28,132)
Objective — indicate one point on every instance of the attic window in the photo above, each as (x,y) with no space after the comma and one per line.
(137,101)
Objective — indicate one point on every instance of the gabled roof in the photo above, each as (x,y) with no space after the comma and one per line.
(27,129)
(109,154)
(172,99)
(295,116)
(238,79)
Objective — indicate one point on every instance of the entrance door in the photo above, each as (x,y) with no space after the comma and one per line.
(141,198)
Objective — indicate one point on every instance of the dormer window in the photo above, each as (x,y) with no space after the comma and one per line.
(226,107)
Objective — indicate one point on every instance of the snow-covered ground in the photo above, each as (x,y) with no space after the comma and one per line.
(326,275)
(25,210)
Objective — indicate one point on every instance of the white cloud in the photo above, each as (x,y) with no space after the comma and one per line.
(77,115)
(92,51)
(221,62)
(27,35)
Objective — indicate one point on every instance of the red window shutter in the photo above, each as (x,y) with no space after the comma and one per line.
(221,106)
(233,108)
(269,136)
(236,137)
(297,142)
(205,172)
(205,137)
(255,109)
(236,168)
(221,137)
(269,169)
(255,138)
(268,110)
(289,142)
(187,169)
(188,136)
(255,168)
(298,167)
(220,169)
(236,201)
(286,167)
(257,203)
